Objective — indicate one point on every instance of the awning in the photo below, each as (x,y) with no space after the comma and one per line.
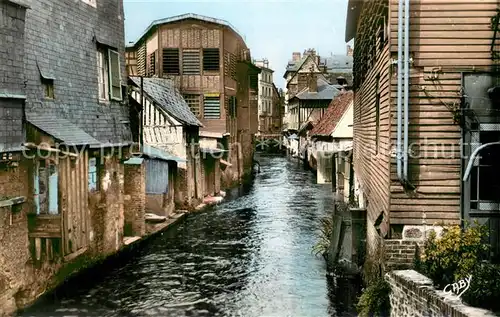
(160,154)
(62,129)
(45,71)
(211,135)
(134,161)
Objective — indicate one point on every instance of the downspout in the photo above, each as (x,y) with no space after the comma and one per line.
(400,91)
(141,117)
(406,88)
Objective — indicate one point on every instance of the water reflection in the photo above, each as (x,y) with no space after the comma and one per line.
(250,256)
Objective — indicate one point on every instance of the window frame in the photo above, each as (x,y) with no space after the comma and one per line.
(188,98)
(185,53)
(102,75)
(166,71)
(208,97)
(112,52)
(207,67)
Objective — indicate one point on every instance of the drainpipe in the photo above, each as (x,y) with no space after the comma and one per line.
(473,158)
(406,88)
(400,91)
(141,118)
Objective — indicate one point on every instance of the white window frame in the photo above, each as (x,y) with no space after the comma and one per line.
(103,75)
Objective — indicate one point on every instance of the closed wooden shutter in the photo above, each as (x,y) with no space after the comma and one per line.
(211,108)
(115,75)
(156,177)
(171,61)
(152,64)
(193,102)
(191,62)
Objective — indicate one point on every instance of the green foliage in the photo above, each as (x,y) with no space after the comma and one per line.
(374,301)
(323,244)
(485,287)
(453,256)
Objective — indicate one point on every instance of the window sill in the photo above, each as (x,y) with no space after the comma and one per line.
(104,102)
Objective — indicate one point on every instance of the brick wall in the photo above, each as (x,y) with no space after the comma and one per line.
(400,254)
(60,38)
(413,294)
(135,194)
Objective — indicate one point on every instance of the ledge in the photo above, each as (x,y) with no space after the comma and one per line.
(12,201)
(416,293)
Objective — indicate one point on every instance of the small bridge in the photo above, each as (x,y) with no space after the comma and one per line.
(269,143)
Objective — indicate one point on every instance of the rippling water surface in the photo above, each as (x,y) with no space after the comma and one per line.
(250,256)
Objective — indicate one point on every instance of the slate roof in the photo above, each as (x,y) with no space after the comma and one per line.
(62,129)
(167,97)
(326,91)
(333,114)
(186,16)
(338,63)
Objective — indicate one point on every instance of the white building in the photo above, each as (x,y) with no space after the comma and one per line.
(265,99)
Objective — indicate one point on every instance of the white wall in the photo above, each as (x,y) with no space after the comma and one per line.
(344,127)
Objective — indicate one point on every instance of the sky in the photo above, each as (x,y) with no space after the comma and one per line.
(272,29)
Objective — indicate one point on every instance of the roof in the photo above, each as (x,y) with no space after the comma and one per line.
(326,91)
(156,153)
(168,98)
(294,66)
(62,129)
(186,16)
(353,13)
(338,63)
(333,114)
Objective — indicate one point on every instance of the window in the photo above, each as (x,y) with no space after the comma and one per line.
(193,102)
(233,106)
(152,64)
(190,62)
(211,59)
(377,114)
(49,88)
(93,174)
(102,67)
(109,74)
(211,108)
(46,187)
(171,61)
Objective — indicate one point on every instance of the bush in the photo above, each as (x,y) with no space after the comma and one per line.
(484,290)
(453,256)
(374,301)
(326,227)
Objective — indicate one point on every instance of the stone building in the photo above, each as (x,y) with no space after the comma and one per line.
(210,64)
(62,176)
(266,92)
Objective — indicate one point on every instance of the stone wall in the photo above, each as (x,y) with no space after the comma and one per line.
(135,196)
(413,294)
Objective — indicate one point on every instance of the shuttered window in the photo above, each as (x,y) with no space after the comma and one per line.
(171,61)
(193,102)
(115,75)
(233,106)
(152,64)
(211,59)
(211,108)
(191,62)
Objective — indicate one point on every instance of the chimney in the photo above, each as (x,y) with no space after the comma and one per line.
(341,81)
(349,50)
(313,83)
(296,56)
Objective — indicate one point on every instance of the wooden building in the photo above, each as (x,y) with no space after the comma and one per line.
(210,64)
(422,71)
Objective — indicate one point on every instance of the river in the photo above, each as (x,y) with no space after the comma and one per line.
(249,256)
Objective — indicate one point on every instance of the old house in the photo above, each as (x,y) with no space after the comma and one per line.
(265,97)
(210,64)
(307,107)
(75,138)
(421,86)
(330,137)
(168,124)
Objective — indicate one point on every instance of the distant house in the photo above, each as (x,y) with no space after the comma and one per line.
(308,106)
(168,124)
(330,138)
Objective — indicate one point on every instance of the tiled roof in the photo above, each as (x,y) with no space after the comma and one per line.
(326,91)
(333,114)
(166,96)
(338,63)
(61,129)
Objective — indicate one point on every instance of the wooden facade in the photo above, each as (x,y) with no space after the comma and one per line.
(448,39)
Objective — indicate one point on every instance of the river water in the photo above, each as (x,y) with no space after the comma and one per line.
(250,256)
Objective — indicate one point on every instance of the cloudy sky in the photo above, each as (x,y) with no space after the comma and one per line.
(271,28)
